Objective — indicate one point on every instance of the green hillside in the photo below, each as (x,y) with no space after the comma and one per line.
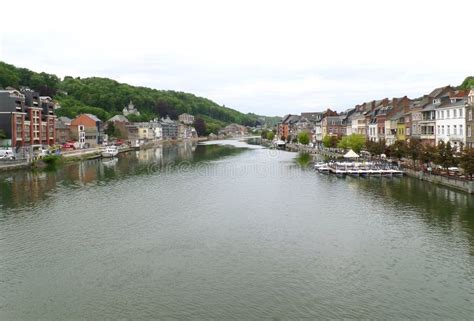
(468,83)
(106,97)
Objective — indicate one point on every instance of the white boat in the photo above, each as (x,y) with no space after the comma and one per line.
(110,151)
(324,169)
(319,165)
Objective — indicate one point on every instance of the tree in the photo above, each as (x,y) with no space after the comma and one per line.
(264,134)
(355,142)
(445,155)
(111,96)
(270,135)
(303,138)
(466,161)
(330,141)
(200,126)
(112,131)
(398,149)
(375,148)
(467,83)
(3,135)
(428,153)
(414,150)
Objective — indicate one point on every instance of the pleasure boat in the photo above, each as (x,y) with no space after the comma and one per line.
(110,151)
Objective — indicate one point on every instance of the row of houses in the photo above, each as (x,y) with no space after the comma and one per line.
(445,114)
(28,119)
(89,131)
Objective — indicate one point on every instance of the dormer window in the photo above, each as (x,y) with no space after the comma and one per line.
(436,101)
(453,100)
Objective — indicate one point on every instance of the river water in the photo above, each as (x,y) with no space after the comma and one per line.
(227,230)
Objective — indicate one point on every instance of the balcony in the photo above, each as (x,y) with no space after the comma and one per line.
(456,137)
(427,136)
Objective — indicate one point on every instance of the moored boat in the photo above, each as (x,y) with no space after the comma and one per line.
(110,151)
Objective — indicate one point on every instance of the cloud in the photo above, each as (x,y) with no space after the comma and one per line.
(268,57)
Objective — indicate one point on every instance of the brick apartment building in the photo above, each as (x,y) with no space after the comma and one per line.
(26,118)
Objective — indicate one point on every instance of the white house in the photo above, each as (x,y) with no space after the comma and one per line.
(451,120)
(373,132)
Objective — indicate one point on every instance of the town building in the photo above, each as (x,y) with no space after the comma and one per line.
(394,128)
(428,114)
(87,130)
(470,120)
(451,120)
(120,123)
(313,117)
(63,130)
(186,132)
(26,118)
(333,126)
(233,130)
(130,110)
(186,119)
(284,127)
(169,128)
(413,126)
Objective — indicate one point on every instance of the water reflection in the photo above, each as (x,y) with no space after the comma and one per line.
(24,188)
(439,207)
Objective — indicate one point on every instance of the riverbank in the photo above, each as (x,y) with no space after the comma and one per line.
(71,156)
(453,182)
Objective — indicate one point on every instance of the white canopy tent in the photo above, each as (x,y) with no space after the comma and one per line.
(351,154)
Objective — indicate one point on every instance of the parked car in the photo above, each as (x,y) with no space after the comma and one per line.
(7,154)
(68,146)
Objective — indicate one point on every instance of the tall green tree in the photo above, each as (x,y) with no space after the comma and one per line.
(3,135)
(466,161)
(428,154)
(414,150)
(330,141)
(375,148)
(399,149)
(303,138)
(355,142)
(445,155)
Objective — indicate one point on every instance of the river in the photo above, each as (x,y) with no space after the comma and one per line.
(227,230)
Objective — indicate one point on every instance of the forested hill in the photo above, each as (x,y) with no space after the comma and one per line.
(107,97)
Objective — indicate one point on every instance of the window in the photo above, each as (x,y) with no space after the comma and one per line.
(470,115)
(454,129)
(437,114)
(439,129)
(442,114)
(460,112)
(447,113)
(442,130)
(454,113)
(408,131)
(469,131)
(448,130)
(461,132)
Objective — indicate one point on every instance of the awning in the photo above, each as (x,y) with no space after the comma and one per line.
(351,154)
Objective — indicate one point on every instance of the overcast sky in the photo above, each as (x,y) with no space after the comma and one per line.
(268,57)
